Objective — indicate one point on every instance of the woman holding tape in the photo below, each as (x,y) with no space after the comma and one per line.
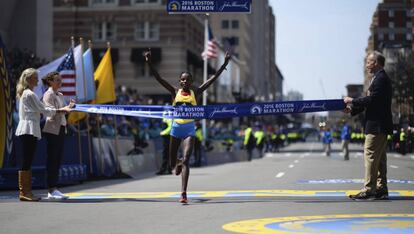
(28,128)
(183,130)
(54,131)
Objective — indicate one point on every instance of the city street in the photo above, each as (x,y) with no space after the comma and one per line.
(298,181)
(102,102)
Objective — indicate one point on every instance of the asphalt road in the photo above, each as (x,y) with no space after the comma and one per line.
(299,181)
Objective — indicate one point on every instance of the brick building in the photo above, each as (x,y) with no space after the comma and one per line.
(391,29)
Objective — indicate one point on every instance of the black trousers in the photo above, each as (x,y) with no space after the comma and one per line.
(29,147)
(54,156)
(197,153)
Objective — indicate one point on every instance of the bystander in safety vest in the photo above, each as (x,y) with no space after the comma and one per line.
(402,136)
(259,135)
(199,134)
(167,130)
(247,135)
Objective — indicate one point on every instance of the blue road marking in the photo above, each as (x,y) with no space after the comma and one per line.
(330,194)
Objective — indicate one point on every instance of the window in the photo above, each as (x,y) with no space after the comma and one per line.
(236,41)
(224,24)
(235,24)
(104,31)
(232,41)
(381,36)
(103,2)
(409,36)
(140,31)
(391,24)
(154,31)
(409,24)
(141,70)
(147,31)
(146,1)
(391,36)
(390,13)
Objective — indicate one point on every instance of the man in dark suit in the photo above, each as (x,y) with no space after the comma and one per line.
(378,123)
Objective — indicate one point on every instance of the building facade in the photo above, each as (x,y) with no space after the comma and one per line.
(176,42)
(27,25)
(265,79)
(231,31)
(392,34)
(391,30)
(252,38)
(133,26)
(354,90)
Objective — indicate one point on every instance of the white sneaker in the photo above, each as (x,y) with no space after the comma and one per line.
(56,194)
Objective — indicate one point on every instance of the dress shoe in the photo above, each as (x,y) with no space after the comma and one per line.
(362,196)
(381,195)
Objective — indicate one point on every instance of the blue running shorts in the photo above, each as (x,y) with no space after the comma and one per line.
(182,131)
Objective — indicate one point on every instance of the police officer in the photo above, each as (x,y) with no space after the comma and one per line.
(198,144)
(402,141)
(260,138)
(165,134)
(249,142)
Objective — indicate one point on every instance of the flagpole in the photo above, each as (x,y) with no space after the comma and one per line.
(98,125)
(72,38)
(100,143)
(116,130)
(205,73)
(87,115)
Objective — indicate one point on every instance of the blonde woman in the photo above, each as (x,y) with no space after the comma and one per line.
(54,131)
(28,128)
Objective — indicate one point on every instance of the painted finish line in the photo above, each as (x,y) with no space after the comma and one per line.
(344,223)
(230,194)
(351,181)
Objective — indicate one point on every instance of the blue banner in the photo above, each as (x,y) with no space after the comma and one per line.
(215,111)
(208,6)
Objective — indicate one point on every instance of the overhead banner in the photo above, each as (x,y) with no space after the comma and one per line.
(215,111)
(208,6)
(6,112)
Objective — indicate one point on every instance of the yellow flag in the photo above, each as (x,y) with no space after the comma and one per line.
(75,117)
(104,77)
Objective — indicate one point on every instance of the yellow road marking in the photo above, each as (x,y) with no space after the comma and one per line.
(235,193)
(296,223)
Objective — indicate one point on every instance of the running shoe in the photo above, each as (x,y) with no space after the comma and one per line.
(183,198)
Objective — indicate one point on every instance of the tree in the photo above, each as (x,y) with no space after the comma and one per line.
(402,75)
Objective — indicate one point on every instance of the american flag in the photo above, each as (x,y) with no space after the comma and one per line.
(67,71)
(211,52)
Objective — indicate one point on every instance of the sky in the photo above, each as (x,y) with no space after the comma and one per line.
(320,44)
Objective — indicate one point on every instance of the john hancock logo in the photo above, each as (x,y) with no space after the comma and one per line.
(174,6)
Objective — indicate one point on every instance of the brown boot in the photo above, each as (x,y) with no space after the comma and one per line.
(25,187)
